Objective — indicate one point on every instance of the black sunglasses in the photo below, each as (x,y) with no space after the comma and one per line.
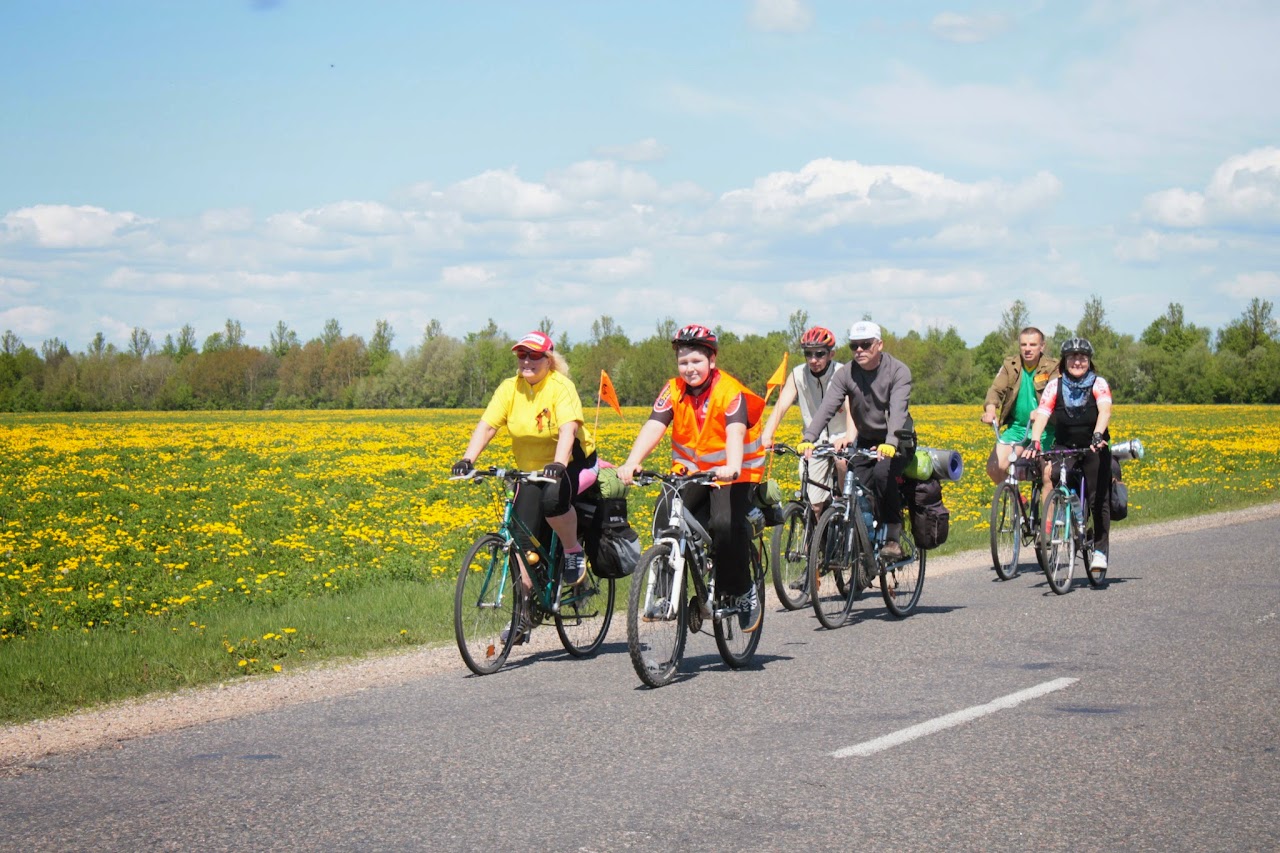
(857,345)
(817,353)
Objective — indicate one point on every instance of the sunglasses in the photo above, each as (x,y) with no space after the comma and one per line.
(857,345)
(817,353)
(526,355)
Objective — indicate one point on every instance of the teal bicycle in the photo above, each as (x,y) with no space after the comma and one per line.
(1067,533)
(493,610)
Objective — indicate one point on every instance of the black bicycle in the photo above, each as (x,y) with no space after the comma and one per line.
(846,554)
(793,538)
(673,590)
(492,610)
(1015,517)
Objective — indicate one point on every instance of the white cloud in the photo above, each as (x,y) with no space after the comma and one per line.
(602,180)
(964,237)
(1245,189)
(466,276)
(60,226)
(29,320)
(501,194)
(644,151)
(1168,80)
(780,16)
(968,29)
(1151,246)
(230,220)
(829,193)
(1245,286)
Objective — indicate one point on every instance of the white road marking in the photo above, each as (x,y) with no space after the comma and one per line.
(945,722)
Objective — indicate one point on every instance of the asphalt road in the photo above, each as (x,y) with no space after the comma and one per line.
(1157,730)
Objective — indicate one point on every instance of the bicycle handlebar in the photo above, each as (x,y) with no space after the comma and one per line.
(511,474)
(703,478)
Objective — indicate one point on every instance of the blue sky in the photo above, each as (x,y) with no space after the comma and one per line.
(724,162)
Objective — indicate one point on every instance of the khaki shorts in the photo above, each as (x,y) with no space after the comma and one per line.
(820,471)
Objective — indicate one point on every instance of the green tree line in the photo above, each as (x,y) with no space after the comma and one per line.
(1172,361)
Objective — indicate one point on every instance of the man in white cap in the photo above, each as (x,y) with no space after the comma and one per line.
(878,387)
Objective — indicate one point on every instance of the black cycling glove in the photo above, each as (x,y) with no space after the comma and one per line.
(462,468)
(554,471)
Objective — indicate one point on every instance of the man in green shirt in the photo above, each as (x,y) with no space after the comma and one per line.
(1014,395)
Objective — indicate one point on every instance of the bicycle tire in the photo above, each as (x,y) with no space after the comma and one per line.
(832,566)
(737,646)
(790,555)
(1061,544)
(656,645)
(901,587)
(484,603)
(1006,530)
(1033,525)
(585,613)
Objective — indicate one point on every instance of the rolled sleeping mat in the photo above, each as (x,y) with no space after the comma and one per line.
(947,464)
(920,467)
(1128,450)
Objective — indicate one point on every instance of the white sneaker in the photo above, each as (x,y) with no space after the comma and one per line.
(1099,560)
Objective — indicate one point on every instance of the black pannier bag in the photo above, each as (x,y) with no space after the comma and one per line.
(607,536)
(930,518)
(1119,493)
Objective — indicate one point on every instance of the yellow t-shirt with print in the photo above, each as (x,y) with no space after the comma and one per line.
(533,415)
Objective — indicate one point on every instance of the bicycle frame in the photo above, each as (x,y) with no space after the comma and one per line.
(688,541)
(539,561)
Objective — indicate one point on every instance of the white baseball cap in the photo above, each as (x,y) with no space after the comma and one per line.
(864,330)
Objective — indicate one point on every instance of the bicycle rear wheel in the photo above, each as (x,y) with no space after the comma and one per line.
(832,568)
(1060,546)
(1006,530)
(484,603)
(736,645)
(656,618)
(901,586)
(585,613)
(791,557)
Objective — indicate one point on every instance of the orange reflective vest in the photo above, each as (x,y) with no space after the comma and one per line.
(701,448)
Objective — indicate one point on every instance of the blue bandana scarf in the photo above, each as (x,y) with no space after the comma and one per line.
(1075,392)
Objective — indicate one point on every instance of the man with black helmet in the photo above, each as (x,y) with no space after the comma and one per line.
(1079,404)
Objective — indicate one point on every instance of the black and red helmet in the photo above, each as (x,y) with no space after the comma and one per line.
(818,336)
(694,335)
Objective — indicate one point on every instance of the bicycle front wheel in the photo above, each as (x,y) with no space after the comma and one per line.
(656,618)
(901,585)
(585,613)
(791,557)
(736,645)
(832,568)
(1060,544)
(1006,530)
(484,604)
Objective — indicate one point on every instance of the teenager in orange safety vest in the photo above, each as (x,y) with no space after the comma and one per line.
(715,426)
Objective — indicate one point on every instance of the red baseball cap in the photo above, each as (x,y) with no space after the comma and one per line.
(534,342)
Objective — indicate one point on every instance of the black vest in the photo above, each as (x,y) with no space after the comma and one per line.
(1074,427)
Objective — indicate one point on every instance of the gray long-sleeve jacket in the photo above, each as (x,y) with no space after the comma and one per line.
(878,398)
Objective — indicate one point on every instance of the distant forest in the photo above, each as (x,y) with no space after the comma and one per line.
(1173,361)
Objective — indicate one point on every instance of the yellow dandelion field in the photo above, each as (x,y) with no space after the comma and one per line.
(110,519)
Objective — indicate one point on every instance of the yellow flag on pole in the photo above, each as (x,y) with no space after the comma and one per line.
(778,378)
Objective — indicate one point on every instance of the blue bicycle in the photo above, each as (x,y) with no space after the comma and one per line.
(493,610)
(1067,534)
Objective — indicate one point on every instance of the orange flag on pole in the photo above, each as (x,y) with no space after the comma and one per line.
(778,378)
(607,394)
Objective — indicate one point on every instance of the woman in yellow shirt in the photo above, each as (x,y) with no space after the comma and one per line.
(540,408)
